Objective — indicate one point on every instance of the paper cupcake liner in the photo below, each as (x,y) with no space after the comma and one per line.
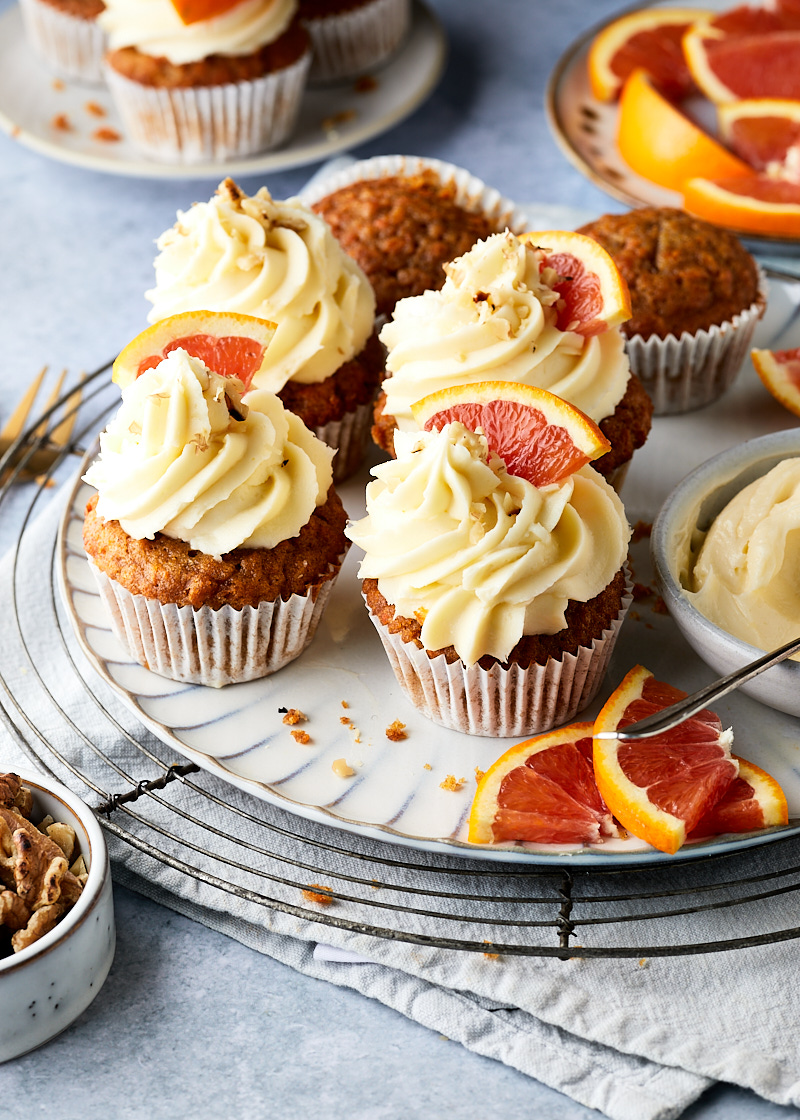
(499,702)
(471,193)
(210,123)
(352,42)
(213,647)
(72,46)
(350,436)
(682,374)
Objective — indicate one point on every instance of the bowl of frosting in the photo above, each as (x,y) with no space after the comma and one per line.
(726,549)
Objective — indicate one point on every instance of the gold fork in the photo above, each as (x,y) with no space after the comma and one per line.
(27,453)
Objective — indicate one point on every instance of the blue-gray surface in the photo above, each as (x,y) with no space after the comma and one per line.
(189,1022)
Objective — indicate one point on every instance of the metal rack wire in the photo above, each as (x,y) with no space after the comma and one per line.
(157,807)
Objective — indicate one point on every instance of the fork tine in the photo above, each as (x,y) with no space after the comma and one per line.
(61,433)
(41,429)
(16,420)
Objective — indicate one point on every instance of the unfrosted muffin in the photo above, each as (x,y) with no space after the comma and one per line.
(206,89)
(696,296)
(216,534)
(279,261)
(351,36)
(66,34)
(495,319)
(497,602)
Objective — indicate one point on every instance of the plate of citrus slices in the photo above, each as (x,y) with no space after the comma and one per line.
(695,107)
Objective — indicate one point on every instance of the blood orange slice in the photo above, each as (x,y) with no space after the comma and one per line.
(763,131)
(752,204)
(192,11)
(745,52)
(538,435)
(660,143)
(660,788)
(780,372)
(230,344)
(650,39)
(752,801)
(542,792)
(594,296)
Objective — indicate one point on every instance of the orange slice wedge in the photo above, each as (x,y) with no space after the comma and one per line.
(193,11)
(753,203)
(753,800)
(761,130)
(780,372)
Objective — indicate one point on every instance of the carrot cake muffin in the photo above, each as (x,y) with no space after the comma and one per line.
(216,534)
(279,261)
(495,319)
(66,34)
(696,296)
(351,36)
(497,602)
(190,90)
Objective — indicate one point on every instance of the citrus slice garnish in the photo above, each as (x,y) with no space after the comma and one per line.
(660,143)
(538,435)
(780,372)
(752,801)
(193,11)
(761,130)
(650,39)
(230,344)
(745,52)
(594,295)
(660,788)
(542,791)
(752,203)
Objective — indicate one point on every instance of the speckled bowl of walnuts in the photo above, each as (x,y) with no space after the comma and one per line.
(57,933)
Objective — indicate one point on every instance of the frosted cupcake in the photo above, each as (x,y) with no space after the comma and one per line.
(495,319)
(66,34)
(279,261)
(351,36)
(498,602)
(191,90)
(216,535)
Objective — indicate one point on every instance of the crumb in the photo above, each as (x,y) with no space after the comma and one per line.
(641,531)
(293,715)
(365,84)
(376,886)
(57,84)
(396,731)
(15,131)
(45,481)
(643,963)
(345,704)
(479,773)
(634,615)
(61,123)
(331,124)
(641,591)
(427,766)
(300,736)
(660,607)
(490,956)
(311,895)
(452,783)
(346,721)
(106,135)
(94,109)
(341,768)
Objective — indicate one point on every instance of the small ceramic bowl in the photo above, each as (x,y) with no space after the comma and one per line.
(675,541)
(45,987)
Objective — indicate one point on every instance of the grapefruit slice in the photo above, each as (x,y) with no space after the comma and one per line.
(780,372)
(542,792)
(660,788)
(538,435)
(763,131)
(230,344)
(193,11)
(594,296)
(650,39)
(660,143)
(752,203)
(752,801)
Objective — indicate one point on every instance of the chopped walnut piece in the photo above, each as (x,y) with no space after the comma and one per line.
(41,922)
(311,895)
(346,721)
(345,704)
(14,795)
(13,911)
(479,773)
(80,870)
(396,731)
(300,736)
(452,783)
(63,835)
(294,715)
(341,768)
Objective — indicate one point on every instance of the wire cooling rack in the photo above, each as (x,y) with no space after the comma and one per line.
(160,808)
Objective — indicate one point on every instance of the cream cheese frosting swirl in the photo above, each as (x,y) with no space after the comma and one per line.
(155,28)
(746,578)
(185,457)
(495,320)
(478,556)
(274,260)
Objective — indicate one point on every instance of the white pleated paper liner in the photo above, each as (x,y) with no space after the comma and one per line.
(73,47)
(682,374)
(350,437)
(210,123)
(214,647)
(349,43)
(498,702)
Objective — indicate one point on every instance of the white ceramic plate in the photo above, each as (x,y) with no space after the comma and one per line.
(332,117)
(585,130)
(396,792)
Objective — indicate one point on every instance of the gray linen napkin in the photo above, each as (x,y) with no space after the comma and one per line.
(635,1039)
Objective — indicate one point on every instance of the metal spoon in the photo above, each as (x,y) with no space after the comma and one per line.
(670,717)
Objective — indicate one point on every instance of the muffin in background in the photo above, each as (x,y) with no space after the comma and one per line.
(216,535)
(206,89)
(349,37)
(696,295)
(66,34)
(280,262)
(402,218)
